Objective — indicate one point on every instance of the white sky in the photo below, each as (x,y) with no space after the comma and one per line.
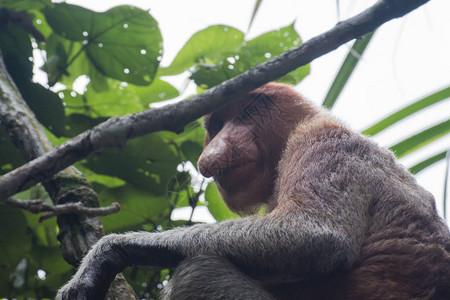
(407,59)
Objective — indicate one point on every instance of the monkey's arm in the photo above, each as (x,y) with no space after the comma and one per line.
(289,246)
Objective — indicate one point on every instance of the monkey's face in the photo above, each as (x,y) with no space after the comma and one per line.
(244,142)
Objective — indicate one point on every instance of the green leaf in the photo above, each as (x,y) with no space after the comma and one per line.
(44,233)
(180,191)
(97,180)
(57,58)
(78,123)
(16,47)
(138,207)
(210,44)
(192,132)
(407,111)
(47,106)
(67,60)
(19,276)
(216,206)
(15,241)
(191,151)
(147,162)
(51,259)
(39,21)
(11,157)
(250,54)
(421,139)
(118,100)
(346,70)
(123,43)
(427,162)
(19,5)
(269,45)
(158,91)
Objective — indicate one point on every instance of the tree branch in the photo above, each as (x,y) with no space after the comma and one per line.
(117,131)
(37,206)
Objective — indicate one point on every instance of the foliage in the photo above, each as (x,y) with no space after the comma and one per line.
(119,51)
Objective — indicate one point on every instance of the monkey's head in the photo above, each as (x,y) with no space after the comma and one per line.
(244,142)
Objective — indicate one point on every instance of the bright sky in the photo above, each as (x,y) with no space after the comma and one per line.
(406,60)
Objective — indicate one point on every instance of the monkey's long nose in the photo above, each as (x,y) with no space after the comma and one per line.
(215,158)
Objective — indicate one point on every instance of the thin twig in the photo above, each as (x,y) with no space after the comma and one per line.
(37,206)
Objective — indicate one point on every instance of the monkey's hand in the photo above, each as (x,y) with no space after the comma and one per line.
(110,256)
(76,289)
(96,272)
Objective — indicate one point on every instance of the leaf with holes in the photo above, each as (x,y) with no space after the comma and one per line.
(138,207)
(250,54)
(123,43)
(210,44)
(147,162)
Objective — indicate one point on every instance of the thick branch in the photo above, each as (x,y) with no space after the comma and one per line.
(117,131)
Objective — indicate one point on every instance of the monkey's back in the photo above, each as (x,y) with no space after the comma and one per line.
(406,249)
(406,253)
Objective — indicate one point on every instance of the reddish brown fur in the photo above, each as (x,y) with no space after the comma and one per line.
(327,169)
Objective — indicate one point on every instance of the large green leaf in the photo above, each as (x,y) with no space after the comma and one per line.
(77,123)
(11,157)
(421,139)
(116,101)
(147,162)
(347,68)
(138,207)
(57,50)
(19,5)
(67,60)
(191,151)
(407,111)
(16,47)
(210,44)
(269,45)
(47,106)
(98,181)
(123,43)
(158,91)
(250,54)
(17,50)
(216,206)
(15,243)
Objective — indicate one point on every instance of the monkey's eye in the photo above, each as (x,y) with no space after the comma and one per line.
(214,126)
